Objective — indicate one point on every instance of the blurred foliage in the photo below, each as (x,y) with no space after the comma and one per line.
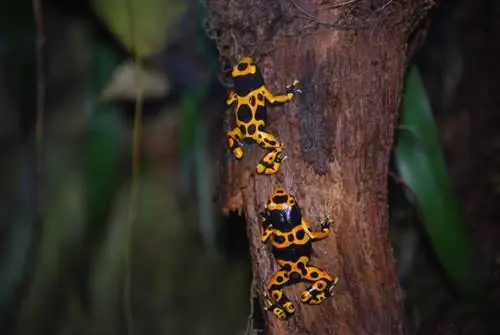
(189,113)
(122,86)
(102,149)
(78,265)
(192,99)
(17,96)
(102,137)
(142,26)
(421,165)
(20,23)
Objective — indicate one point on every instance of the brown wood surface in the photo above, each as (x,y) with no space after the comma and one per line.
(338,136)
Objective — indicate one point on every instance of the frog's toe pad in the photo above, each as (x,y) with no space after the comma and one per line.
(238,153)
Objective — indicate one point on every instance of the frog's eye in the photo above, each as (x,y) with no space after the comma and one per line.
(242,66)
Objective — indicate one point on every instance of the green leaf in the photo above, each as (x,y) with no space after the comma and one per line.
(421,165)
(102,140)
(101,155)
(142,26)
(189,113)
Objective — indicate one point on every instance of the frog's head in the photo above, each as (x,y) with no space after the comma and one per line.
(282,210)
(245,66)
(280,199)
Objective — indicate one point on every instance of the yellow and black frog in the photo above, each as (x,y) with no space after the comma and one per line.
(292,247)
(251,96)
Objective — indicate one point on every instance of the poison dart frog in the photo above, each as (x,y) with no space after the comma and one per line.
(292,247)
(251,96)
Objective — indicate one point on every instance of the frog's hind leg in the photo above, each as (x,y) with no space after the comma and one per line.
(234,137)
(271,162)
(277,302)
(321,288)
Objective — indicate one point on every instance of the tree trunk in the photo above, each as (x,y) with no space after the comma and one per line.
(350,60)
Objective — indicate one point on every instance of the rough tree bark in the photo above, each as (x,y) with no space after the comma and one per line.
(350,57)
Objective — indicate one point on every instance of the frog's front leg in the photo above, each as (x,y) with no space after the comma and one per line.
(234,137)
(291,91)
(271,162)
(231,99)
(265,232)
(325,229)
(266,228)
